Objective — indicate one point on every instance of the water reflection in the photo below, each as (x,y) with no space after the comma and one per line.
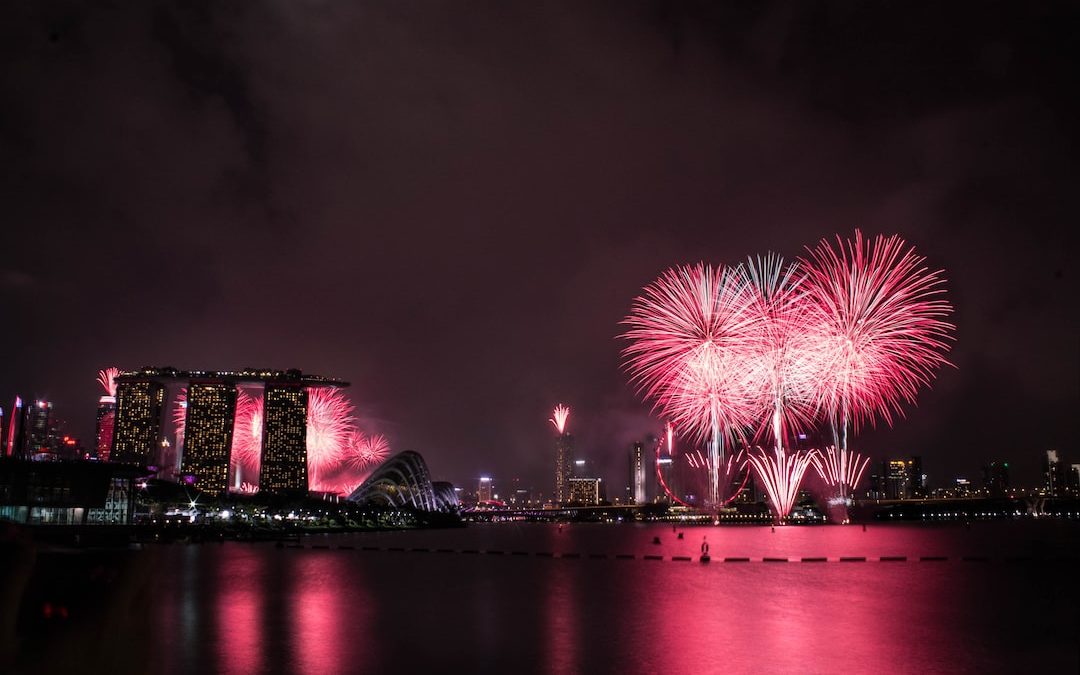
(320,614)
(562,610)
(254,608)
(240,613)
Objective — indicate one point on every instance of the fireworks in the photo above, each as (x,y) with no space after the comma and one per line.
(559,417)
(336,448)
(781,473)
(690,334)
(880,319)
(840,468)
(364,451)
(329,428)
(107,379)
(757,351)
(247,431)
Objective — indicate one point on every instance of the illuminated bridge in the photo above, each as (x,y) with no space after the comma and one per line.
(404,481)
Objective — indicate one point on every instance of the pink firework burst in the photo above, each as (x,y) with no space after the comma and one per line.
(880,316)
(365,451)
(247,431)
(689,333)
(559,417)
(107,379)
(329,429)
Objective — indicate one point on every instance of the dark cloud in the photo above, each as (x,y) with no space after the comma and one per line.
(453,206)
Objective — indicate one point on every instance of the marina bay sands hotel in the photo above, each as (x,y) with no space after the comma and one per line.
(141,398)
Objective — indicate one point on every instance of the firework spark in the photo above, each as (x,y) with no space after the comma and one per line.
(880,315)
(882,320)
(840,469)
(247,431)
(781,473)
(329,428)
(107,379)
(689,333)
(365,451)
(559,417)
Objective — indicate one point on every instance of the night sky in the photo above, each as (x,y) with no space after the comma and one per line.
(452,205)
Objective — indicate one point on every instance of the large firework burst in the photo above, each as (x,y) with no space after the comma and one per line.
(329,428)
(689,335)
(880,318)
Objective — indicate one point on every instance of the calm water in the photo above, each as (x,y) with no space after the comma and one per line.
(250,608)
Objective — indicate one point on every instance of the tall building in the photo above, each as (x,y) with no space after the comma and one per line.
(137,429)
(106,421)
(16,437)
(284,467)
(897,479)
(564,451)
(484,489)
(39,424)
(208,429)
(638,473)
(996,478)
(1053,474)
(916,478)
(584,491)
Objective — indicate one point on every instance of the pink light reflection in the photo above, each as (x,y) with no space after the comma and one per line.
(240,611)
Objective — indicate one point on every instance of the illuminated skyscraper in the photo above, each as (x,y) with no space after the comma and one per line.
(484,489)
(916,478)
(897,479)
(564,451)
(137,429)
(284,466)
(584,491)
(638,466)
(106,421)
(39,426)
(1053,474)
(208,428)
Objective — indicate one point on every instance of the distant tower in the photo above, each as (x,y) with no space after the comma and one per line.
(897,479)
(137,429)
(484,489)
(284,467)
(106,413)
(564,450)
(208,429)
(637,473)
(1053,474)
(38,420)
(16,430)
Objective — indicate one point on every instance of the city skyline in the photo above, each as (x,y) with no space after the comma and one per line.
(166,222)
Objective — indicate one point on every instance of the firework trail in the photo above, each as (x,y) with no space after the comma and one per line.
(107,379)
(881,315)
(559,417)
(840,469)
(781,473)
(670,439)
(329,428)
(689,333)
